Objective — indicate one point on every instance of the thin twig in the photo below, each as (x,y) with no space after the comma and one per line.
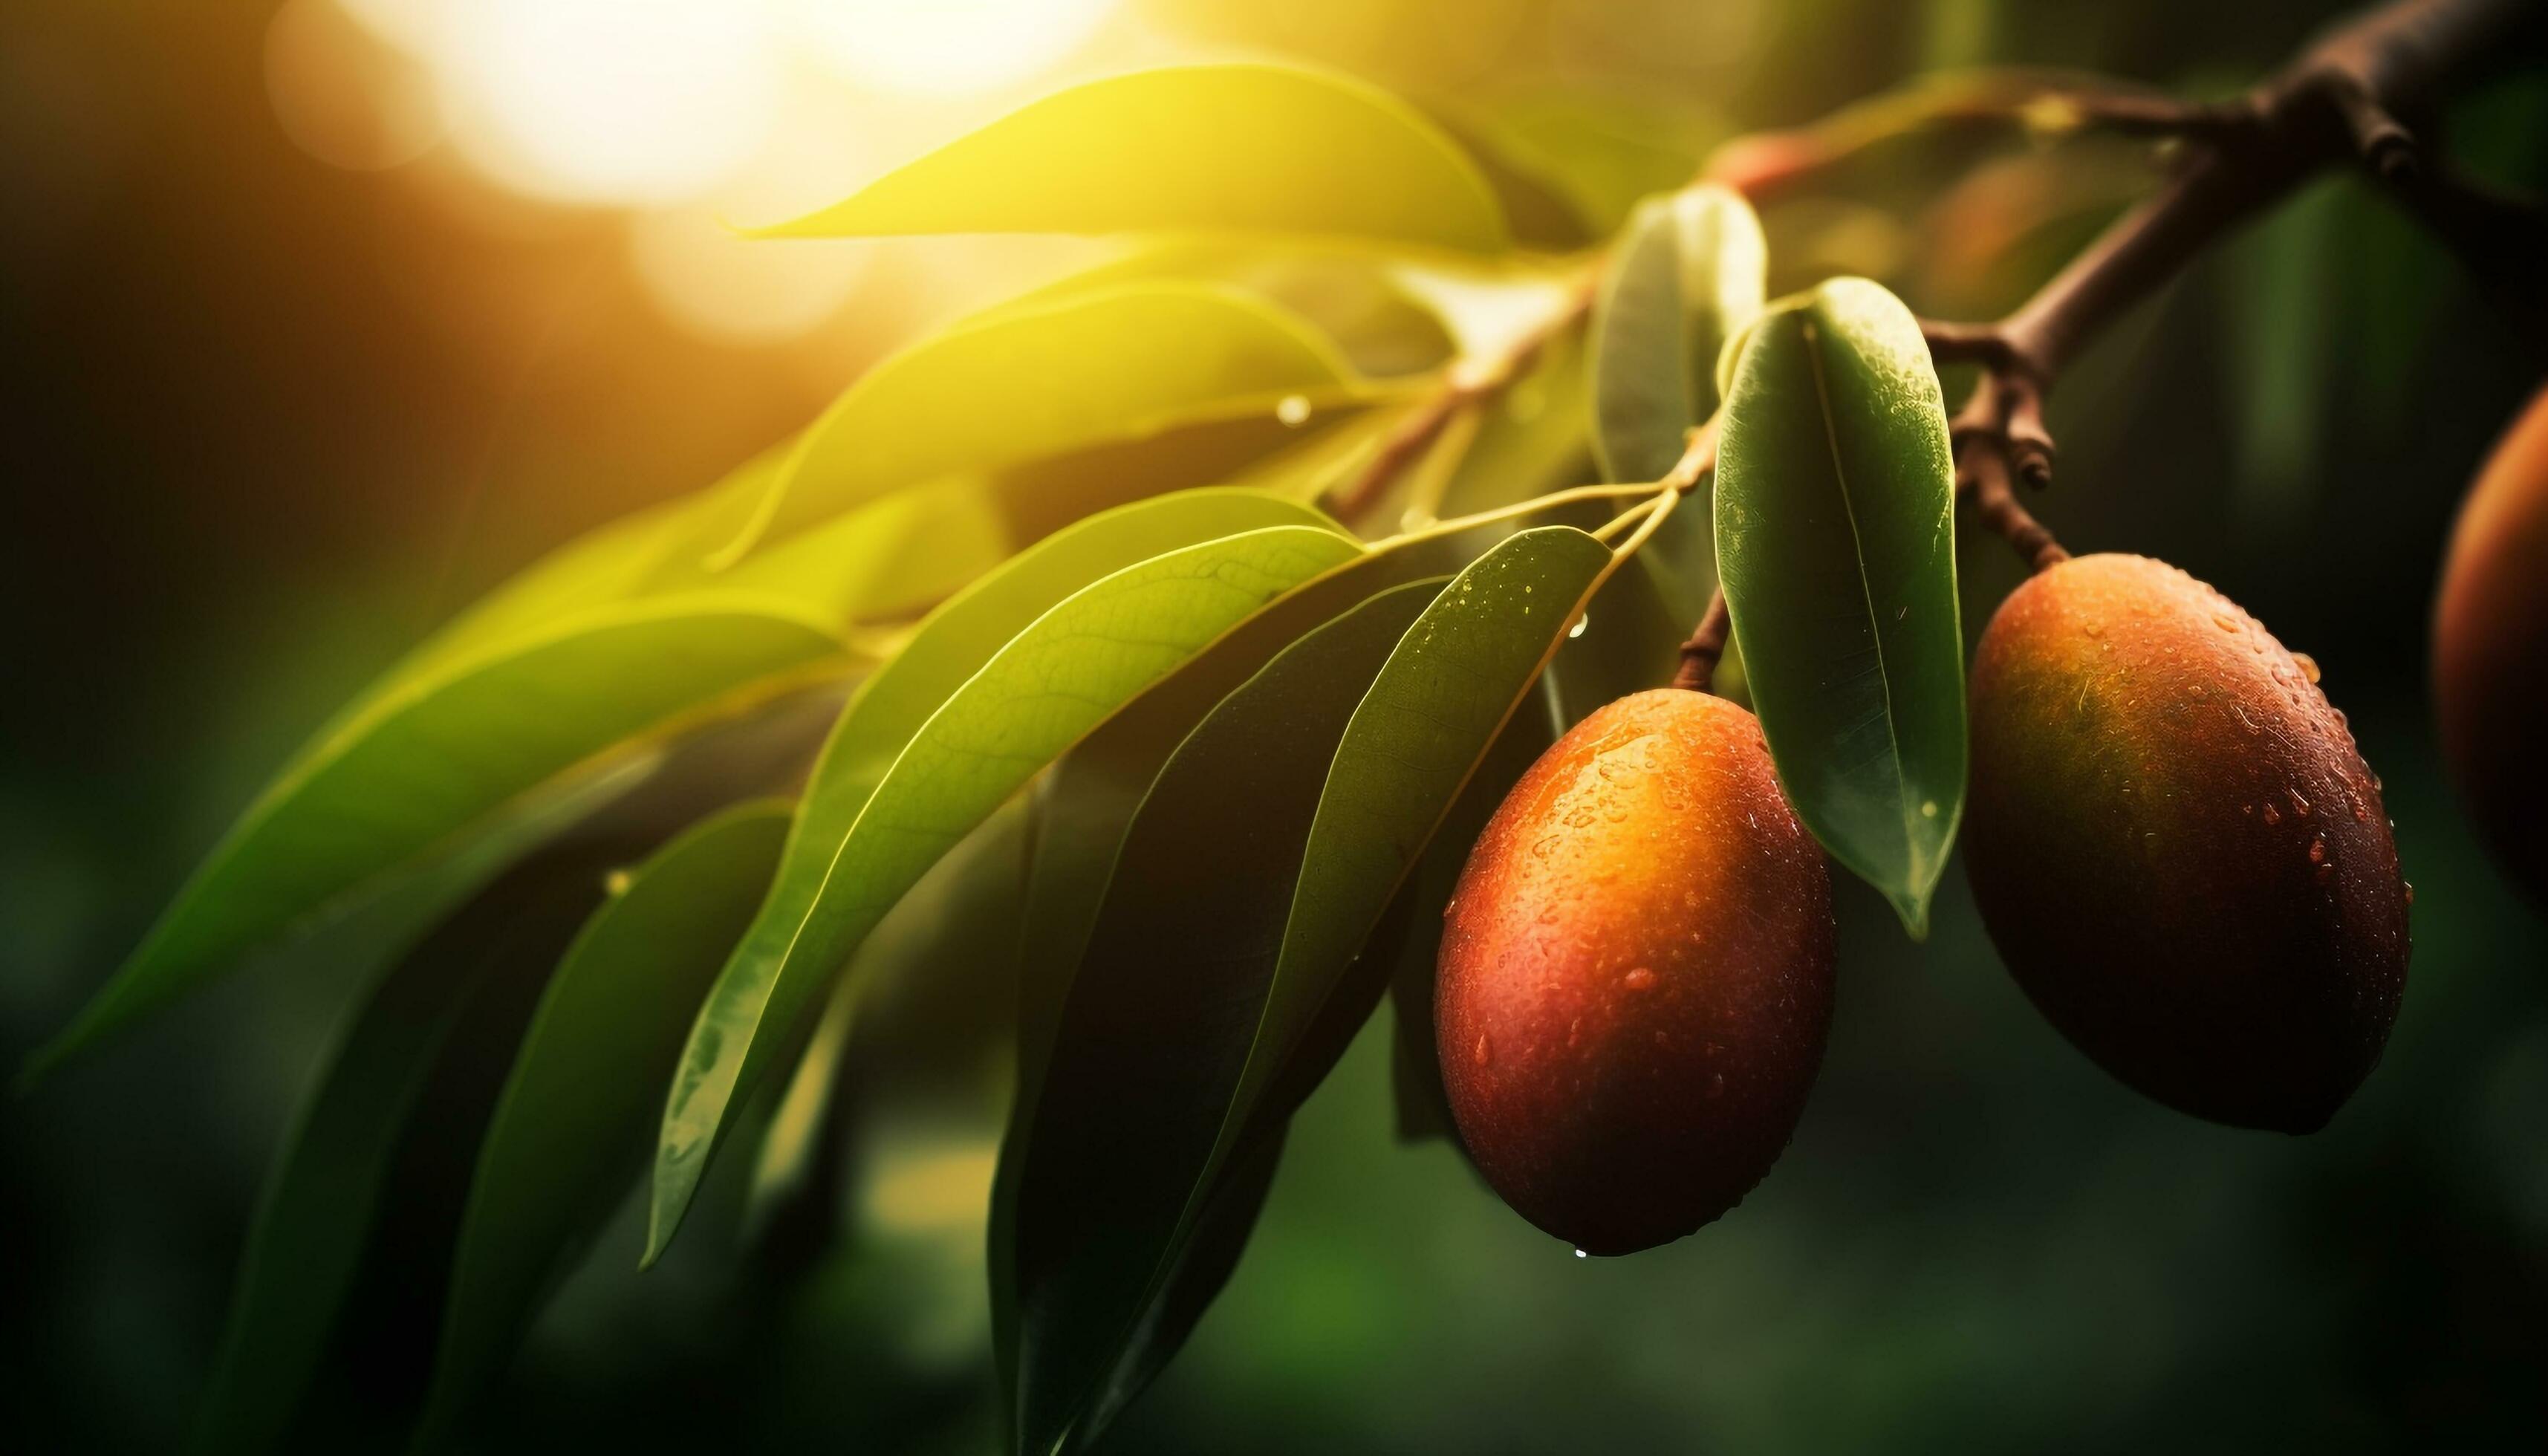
(2336,104)
(2043,102)
(1468,384)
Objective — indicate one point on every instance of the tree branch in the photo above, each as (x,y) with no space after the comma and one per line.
(2338,103)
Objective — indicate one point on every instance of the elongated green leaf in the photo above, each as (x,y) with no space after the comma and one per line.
(1087,807)
(426,761)
(1037,695)
(1221,149)
(1350,295)
(1414,742)
(575,1120)
(1155,1030)
(1114,363)
(321,1202)
(1690,269)
(1835,539)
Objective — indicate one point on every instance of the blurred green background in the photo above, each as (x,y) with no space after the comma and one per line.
(291,374)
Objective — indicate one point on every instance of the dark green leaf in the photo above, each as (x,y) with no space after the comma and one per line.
(1225,149)
(1036,697)
(1415,740)
(1156,1028)
(322,1203)
(1690,271)
(574,1122)
(1835,537)
(1086,805)
(417,767)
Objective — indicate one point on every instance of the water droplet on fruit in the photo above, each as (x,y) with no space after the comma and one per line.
(1479,1053)
(1638,979)
(1927,808)
(2318,849)
(2307,665)
(617,882)
(2300,804)
(1293,409)
(2273,815)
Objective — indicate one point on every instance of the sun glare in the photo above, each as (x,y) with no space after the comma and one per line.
(680,113)
(947,48)
(610,100)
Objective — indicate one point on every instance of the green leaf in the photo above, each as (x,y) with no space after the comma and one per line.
(1835,538)
(1221,149)
(1690,269)
(1415,740)
(1015,385)
(1031,700)
(1412,738)
(420,766)
(574,1122)
(1155,1031)
(1351,296)
(1087,807)
(320,1205)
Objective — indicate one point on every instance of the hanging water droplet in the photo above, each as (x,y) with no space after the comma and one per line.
(1581,623)
(1293,409)
(1580,1254)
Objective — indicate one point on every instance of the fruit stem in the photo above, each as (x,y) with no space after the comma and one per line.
(1705,647)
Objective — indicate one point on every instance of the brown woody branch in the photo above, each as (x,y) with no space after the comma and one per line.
(2340,103)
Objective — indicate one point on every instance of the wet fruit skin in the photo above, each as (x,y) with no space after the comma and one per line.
(1635,981)
(2177,848)
(2491,650)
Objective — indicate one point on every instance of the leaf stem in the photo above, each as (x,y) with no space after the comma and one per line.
(1531,507)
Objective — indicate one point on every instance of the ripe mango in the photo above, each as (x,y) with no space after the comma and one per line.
(2491,651)
(1635,981)
(2177,848)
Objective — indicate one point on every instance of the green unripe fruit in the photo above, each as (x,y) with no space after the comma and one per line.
(2177,848)
(2491,651)
(1636,975)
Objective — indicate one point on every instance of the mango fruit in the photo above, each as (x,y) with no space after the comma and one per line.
(2177,848)
(2491,651)
(1635,981)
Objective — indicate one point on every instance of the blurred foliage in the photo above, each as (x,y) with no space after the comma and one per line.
(264,425)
